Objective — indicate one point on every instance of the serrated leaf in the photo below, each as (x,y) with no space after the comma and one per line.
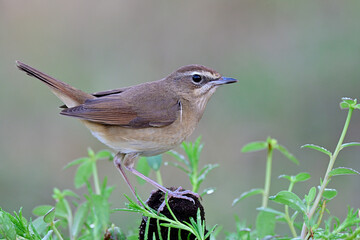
(302,177)
(270,210)
(329,193)
(350,144)
(41,210)
(247,194)
(49,216)
(254,146)
(155,162)
(83,173)
(318,148)
(287,154)
(143,167)
(343,171)
(290,199)
(79,219)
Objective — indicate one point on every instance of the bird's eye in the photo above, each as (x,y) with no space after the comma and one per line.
(196,78)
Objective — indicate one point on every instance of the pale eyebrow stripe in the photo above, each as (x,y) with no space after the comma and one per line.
(202,73)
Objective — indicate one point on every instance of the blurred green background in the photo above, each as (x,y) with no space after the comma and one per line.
(294,61)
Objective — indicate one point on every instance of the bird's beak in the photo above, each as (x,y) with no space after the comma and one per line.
(224,80)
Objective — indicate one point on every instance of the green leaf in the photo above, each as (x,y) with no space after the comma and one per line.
(311,195)
(143,167)
(344,105)
(205,171)
(348,100)
(318,148)
(287,154)
(247,194)
(79,219)
(179,157)
(357,106)
(343,171)
(270,210)
(83,173)
(208,191)
(350,144)
(329,193)
(265,224)
(7,228)
(155,162)
(175,164)
(76,162)
(302,177)
(348,103)
(91,153)
(290,178)
(70,193)
(50,216)
(290,199)
(40,226)
(101,213)
(254,146)
(104,154)
(41,210)
(61,211)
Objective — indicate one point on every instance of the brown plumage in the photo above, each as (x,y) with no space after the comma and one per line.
(146,119)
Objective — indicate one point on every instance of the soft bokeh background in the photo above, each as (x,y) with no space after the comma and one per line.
(294,61)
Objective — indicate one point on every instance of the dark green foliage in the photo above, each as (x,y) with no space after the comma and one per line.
(88,216)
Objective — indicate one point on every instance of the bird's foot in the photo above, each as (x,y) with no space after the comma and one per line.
(178,193)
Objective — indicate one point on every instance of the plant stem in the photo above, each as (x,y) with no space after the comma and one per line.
(330,167)
(96,178)
(57,233)
(69,216)
(158,177)
(287,216)
(267,176)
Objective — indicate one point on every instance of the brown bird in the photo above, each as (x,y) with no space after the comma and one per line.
(146,119)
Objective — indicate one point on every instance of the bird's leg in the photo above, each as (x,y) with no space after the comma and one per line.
(117,162)
(178,193)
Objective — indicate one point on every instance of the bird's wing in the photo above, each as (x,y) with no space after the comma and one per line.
(110,92)
(115,109)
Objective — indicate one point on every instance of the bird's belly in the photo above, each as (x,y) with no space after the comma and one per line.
(145,141)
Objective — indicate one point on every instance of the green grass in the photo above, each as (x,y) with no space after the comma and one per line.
(88,216)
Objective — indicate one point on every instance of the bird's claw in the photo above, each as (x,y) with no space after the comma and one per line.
(178,193)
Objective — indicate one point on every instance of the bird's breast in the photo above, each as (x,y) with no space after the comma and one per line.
(148,141)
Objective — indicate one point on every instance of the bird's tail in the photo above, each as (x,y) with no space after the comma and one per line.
(69,95)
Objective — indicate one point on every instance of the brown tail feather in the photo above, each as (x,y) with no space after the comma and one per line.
(69,95)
